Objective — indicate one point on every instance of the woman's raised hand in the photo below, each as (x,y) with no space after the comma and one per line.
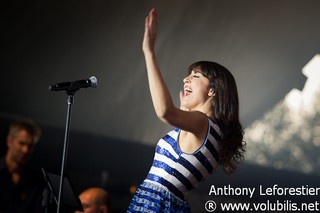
(150,32)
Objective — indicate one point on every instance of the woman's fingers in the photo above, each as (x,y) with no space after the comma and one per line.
(150,30)
(152,22)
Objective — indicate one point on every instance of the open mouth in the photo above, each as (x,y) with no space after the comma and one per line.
(187,90)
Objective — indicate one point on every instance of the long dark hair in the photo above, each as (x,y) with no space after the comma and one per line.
(225,112)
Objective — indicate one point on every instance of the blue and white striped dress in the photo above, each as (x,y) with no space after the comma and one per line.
(174,173)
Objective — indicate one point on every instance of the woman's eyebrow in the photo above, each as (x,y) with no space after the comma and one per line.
(195,71)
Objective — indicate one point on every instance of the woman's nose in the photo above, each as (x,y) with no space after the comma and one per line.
(186,80)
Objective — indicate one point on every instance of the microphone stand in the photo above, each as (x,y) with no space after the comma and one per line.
(70,92)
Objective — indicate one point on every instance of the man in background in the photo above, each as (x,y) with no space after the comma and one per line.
(94,200)
(21,185)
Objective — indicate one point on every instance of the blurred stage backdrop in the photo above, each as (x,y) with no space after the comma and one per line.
(271,48)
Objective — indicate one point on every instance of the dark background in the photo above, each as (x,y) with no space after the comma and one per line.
(113,127)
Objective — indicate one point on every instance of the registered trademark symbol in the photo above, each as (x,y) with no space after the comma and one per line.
(210,206)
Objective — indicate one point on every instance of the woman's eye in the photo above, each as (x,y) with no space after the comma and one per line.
(196,76)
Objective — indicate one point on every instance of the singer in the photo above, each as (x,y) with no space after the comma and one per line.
(207,132)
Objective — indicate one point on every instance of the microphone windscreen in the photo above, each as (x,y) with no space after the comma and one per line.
(94,81)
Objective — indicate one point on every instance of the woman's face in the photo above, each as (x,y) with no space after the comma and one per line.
(197,90)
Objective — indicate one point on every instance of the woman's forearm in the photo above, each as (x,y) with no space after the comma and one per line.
(161,98)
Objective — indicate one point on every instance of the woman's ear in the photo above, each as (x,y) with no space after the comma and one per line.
(211,93)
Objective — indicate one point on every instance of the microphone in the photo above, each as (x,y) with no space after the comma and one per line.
(75,85)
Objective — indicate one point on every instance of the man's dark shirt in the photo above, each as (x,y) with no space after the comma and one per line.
(23,197)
